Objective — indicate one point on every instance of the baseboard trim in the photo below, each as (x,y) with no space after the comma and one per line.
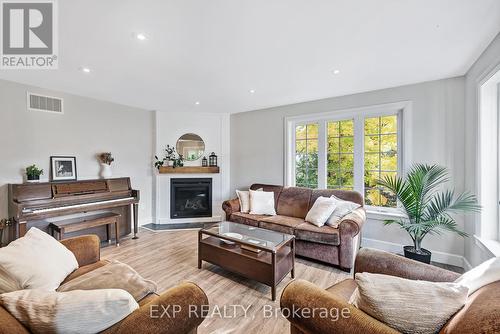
(145,221)
(213,219)
(441,257)
(467,266)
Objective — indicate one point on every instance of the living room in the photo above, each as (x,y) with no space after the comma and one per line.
(212,167)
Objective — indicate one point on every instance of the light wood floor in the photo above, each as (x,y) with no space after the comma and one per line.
(170,257)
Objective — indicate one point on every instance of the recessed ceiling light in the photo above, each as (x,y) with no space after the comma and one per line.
(336,71)
(140,36)
(252,91)
(197,103)
(85,69)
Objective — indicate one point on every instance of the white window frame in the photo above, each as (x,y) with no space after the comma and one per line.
(402,109)
(488,163)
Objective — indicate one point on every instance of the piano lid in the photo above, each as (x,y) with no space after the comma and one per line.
(79,188)
(51,190)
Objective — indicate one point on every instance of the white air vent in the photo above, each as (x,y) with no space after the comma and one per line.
(38,102)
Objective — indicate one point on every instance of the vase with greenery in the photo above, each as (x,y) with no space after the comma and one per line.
(171,158)
(429,208)
(169,154)
(33,173)
(106,159)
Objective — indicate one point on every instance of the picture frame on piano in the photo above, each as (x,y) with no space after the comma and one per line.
(63,168)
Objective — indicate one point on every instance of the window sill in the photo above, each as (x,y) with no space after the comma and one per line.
(383,214)
(492,246)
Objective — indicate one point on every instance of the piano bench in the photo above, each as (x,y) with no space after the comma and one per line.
(81,223)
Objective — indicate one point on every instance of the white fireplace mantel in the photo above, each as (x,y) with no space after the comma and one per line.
(214,130)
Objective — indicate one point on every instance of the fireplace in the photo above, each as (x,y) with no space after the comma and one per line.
(190,198)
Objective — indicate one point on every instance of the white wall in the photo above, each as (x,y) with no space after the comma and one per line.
(86,128)
(487,62)
(257,147)
(214,130)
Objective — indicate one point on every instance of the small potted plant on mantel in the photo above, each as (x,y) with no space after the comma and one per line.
(171,158)
(33,173)
(427,207)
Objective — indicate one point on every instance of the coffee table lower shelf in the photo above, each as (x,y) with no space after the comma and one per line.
(267,267)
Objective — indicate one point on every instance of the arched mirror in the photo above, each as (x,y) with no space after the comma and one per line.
(191,146)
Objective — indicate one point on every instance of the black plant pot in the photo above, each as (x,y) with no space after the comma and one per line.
(424,255)
(33,178)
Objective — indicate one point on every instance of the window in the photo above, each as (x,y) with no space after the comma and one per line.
(340,168)
(348,150)
(306,155)
(488,173)
(381,158)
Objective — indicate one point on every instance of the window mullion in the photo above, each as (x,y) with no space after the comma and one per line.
(322,154)
(308,157)
(359,154)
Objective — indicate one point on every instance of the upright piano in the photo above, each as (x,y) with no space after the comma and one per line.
(39,204)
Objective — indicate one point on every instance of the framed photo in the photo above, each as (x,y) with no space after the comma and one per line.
(63,168)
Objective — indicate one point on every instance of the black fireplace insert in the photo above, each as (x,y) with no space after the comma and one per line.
(190,198)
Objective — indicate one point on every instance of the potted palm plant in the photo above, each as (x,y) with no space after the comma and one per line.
(428,208)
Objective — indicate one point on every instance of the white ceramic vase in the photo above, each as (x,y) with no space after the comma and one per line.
(106,171)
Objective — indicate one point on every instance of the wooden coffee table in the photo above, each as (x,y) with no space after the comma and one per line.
(255,253)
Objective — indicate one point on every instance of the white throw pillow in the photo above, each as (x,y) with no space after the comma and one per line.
(262,203)
(7,282)
(484,274)
(37,261)
(79,311)
(342,208)
(409,306)
(244,199)
(321,210)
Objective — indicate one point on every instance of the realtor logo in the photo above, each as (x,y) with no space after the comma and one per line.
(29,35)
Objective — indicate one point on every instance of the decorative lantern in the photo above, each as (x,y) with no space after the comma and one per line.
(204,162)
(212,160)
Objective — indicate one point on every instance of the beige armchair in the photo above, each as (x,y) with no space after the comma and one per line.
(87,252)
(481,314)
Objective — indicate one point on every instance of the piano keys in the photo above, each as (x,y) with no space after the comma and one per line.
(38,204)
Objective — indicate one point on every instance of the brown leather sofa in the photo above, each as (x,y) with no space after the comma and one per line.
(87,252)
(481,313)
(336,246)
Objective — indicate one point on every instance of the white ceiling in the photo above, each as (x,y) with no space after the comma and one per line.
(216,51)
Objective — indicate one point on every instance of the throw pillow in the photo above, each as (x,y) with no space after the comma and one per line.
(321,210)
(262,203)
(486,273)
(7,282)
(342,208)
(244,199)
(37,261)
(115,275)
(80,311)
(427,305)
